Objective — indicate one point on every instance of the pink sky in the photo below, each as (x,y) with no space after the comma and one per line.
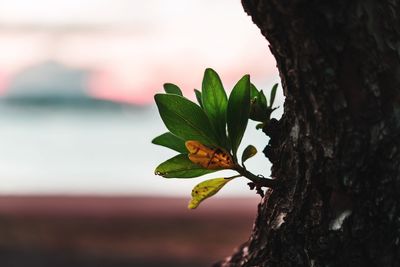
(133,47)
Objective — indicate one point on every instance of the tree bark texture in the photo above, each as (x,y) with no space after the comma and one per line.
(336,150)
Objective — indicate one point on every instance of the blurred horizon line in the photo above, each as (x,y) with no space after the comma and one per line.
(119,205)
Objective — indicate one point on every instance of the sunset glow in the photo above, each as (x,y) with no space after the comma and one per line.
(130,48)
(56,56)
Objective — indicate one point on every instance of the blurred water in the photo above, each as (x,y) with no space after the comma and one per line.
(80,150)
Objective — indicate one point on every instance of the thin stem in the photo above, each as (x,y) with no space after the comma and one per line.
(258,181)
(234,176)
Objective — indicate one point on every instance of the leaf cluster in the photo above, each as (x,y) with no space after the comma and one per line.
(260,109)
(217,122)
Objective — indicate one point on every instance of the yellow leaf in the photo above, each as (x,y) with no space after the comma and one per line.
(205,190)
(207,157)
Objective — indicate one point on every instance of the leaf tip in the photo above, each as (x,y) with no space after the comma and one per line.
(193,205)
(207,70)
(157,97)
(157,172)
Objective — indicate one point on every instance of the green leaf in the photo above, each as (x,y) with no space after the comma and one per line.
(253,91)
(238,112)
(170,88)
(205,190)
(262,100)
(171,141)
(198,97)
(248,152)
(273,93)
(258,104)
(185,119)
(214,102)
(180,166)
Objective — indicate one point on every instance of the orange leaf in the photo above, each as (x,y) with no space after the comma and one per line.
(207,157)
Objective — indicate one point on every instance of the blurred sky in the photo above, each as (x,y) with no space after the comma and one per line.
(126,50)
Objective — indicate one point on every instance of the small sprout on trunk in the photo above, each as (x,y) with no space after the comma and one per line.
(208,135)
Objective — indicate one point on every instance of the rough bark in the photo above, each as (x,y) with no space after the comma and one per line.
(336,149)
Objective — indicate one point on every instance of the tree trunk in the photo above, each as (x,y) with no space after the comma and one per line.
(336,150)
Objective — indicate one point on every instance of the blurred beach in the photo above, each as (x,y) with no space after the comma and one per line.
(102,149)
(77,81)
(78,189)
(120,231)
(77,116)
